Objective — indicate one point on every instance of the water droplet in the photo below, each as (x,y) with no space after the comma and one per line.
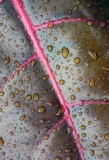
(50,48)
(93,55)
(77,60)
(83,127)
(1,93)
(7,60)
(92,82)
(72,97)
(17,104)
(46,137)
(90,23)
(60,111)
(45,77)
(65,52)
(36,97)
(43,120)
(61,82)
(51,25)
(57,158)
(1,141)
(29,97)
(106,69)
(22,117)
(57,67)
(16,64)
(41,109)
(106,136)
(92,152)
(12,95)
(83,134)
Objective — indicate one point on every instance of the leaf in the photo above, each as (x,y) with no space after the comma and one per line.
(54,96)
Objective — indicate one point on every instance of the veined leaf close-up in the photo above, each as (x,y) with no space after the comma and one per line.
(54,80)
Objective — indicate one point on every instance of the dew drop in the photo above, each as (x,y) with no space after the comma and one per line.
(61,82)
(16,64)
(57,158)
(7,60)
(65,52)
(51,25)
(106,69)
(17,104)
(83,127)
(12,95)
(1,141)
(90,23)
(92,152)
(1,93)
(22,117)
(41,109)
(46,137)
(92,82)
(29,97)
(60,111)
(106,136)
(50,48)
(36,97)
(93,55)
(77,60)
(72,97)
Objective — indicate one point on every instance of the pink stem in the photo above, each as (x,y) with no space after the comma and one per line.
(65,20)
(48,133)
(31,32)
(83,102)
(16,71)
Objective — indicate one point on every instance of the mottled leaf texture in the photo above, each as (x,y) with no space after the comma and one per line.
(54,80)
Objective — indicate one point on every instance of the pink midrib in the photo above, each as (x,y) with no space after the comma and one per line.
(39,53)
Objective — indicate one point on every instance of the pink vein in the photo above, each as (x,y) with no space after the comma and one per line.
(16,71)
(88,102)
(28,26)
(48,133)
(65,20)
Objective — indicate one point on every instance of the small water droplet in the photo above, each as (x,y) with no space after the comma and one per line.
(106,136)
(60,111)
(83,127)
(17,104)
(22,117)
(46,137)
(41,109)
(61,82)
(50,48)
(92,82)
(36,97)
(1,141)
(7,60)
(106,69)
(77,60)
(72,97)
(90,23)
(57,158)
(29,97)
(93,55)
(1,93)
(92,152)
(65,52)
